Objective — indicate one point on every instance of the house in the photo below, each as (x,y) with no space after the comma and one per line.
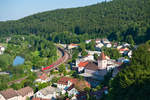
(123,50)
(99,69)
(21,94)
(72,90)
(71,46)
(65,82)
(98,40)
(105,41)
(88,57)
(25,92)
(123,60)
(87,41)
(130,54)
(113,65)
(93,52)
(99,46)
(74,86)
(92,70)
(108,45)
(96,70)
(115,45)
(126,45)
(119,47)
(10,94)
(42,78)
(75,66)
(48,93)
(82,65)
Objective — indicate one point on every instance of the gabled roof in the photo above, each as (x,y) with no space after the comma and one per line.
(64,80)
(83,64)
(9,93)
(102,56)
(123,49)
(49,90)
(92,66)
(24,91)
(73,44)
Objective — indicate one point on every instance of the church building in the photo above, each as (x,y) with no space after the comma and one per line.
(97,69)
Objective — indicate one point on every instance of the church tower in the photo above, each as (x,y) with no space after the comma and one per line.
(102,61)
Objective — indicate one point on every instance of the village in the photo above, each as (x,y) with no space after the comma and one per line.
(82,77)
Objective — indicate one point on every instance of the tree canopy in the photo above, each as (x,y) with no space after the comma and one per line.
(117,19)
(132,83)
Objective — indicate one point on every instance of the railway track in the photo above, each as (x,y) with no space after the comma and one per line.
(63,59)
(65,56)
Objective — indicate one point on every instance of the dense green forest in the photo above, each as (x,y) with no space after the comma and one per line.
(132,83)
(121,20)
(36,51)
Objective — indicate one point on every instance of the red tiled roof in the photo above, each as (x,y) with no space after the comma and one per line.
(124,49)
(75,82)
(83,64)
(102,56)
(64,80)
(74,45)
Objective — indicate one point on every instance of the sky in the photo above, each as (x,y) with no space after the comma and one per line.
(16,9)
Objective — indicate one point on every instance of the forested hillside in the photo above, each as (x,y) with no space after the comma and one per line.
(120,20)
(132,83)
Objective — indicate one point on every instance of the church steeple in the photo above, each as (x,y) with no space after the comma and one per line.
(102,62)
(102,56)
